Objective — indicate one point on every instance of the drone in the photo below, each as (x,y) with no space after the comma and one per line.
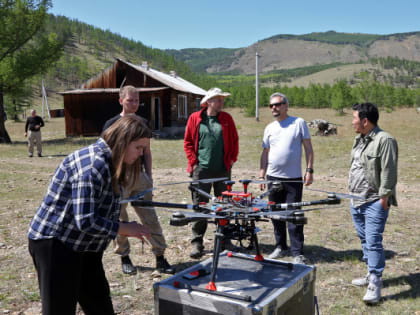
(235,214)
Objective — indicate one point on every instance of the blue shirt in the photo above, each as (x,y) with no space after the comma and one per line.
(80,208)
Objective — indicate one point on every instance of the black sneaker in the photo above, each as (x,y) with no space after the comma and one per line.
(39,155)
(163,266)
(197,251)
(127,266)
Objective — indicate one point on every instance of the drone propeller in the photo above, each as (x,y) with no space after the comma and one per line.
(137,197)
(276,187)
(196,181)
(189,214)
(204,193)
(339,195)
(291,212)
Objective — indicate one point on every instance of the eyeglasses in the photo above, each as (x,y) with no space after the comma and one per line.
(277,104)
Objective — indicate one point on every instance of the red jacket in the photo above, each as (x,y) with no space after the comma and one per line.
(230,139)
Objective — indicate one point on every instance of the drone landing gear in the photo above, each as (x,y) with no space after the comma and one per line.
(219,236)
(211,286)
(254,240)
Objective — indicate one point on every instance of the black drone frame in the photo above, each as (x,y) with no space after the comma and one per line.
(235,217)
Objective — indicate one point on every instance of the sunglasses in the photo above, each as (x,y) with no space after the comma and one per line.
(277,104)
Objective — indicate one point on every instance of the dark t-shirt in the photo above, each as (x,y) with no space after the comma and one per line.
(31,122)
(110,121)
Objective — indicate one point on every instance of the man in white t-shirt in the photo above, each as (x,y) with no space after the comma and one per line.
(281,160)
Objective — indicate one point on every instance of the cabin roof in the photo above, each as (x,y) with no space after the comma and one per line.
(172,80)
(109,91)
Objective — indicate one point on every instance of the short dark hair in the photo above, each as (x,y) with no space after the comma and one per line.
(367,110)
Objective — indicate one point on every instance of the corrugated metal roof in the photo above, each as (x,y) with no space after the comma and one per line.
(174,82)
(111,91)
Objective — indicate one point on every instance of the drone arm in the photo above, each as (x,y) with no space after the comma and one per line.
(181,220)
(150,203)
(262,196)
(329,201)
(202,192)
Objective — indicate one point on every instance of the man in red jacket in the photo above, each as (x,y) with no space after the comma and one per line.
(211,145)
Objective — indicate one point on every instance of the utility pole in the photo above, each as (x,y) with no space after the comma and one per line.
(257,98)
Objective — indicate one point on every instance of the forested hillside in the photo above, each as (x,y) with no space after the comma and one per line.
(387,80)
(88,51)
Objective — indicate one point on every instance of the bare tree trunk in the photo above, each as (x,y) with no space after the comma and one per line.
(4,136)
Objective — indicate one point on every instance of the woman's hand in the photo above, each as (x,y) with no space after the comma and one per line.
(134,229)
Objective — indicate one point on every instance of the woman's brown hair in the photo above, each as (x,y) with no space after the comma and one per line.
(118,136)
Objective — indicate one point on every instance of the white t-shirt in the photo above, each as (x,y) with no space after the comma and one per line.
(284,139)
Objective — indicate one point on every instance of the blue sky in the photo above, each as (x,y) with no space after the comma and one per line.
(180,24)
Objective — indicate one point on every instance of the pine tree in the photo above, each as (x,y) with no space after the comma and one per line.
(24,49)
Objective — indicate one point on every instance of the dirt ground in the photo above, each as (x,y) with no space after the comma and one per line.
(331,243)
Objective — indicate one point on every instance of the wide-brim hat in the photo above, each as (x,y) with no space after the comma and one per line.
(213,92)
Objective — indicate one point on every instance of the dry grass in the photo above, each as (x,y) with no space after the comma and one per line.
(331,243)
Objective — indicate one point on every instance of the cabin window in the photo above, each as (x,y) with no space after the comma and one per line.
(182,106)
(197,103)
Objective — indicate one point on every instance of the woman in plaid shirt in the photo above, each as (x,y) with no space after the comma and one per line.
(79,216)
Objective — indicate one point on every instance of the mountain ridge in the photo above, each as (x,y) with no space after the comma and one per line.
(285,51)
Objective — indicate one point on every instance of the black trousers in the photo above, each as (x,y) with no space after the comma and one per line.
(66,277)
(199,227)
(290,192)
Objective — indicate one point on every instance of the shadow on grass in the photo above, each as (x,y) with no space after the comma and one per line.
(413,280)
(319,254)
(178,267)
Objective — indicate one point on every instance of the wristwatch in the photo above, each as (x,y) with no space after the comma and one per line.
(310,170)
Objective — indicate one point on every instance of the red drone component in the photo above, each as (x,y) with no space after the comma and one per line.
(176,284)
(259,258)
(223,222)
(236,194)
(211,286)
(229,254)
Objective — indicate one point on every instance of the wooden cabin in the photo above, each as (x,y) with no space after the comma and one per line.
(166,100)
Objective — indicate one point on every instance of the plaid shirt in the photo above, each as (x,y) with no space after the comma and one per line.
(80,208)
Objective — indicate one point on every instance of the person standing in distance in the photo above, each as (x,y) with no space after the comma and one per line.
(372,176)
(129,100)
(211,144)
(280,161)
(34,124)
